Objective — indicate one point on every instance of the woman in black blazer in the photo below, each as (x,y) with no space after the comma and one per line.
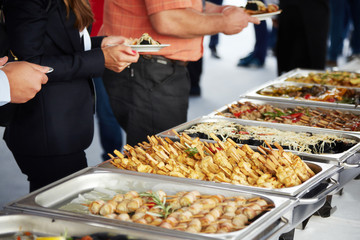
(49,134)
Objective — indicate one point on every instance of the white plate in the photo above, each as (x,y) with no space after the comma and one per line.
(264,16)
(148,48)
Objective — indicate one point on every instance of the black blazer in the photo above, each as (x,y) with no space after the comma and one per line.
(59,120)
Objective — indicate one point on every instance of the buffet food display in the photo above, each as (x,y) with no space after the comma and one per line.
(159,208)
(308,142)
(34,227)
(221,162)
(185,211)
(313,93)
(311,116)
(332,78)
(253,169)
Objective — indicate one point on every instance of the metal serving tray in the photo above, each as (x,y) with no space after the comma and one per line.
(308,201)
(324,171)
(46,202)
(339,157)
(12,224)
(277,104)
(299,72)
(253,94)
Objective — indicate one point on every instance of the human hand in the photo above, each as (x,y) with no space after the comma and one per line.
(118,57)
(113,40)
(235,20)
(25,79)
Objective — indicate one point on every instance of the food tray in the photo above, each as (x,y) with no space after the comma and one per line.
(253,94)
(12,224)
(323,172)
(46,201)
(283,105)
(305,72)
(339,157)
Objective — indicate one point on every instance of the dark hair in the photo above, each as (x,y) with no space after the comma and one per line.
(83,12)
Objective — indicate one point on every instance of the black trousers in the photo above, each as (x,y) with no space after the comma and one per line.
(149,97)
(43,170)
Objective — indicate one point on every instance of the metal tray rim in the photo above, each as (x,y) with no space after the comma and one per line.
(213,114)
(254,95)
(339,157)
(284,203)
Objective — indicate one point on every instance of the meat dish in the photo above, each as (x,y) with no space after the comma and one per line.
(301,115)
(333,78)
(313,93)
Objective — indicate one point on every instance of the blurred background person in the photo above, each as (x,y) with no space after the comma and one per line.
(303,34)
(195,69)
(214,39)
(257,57)
(344,24)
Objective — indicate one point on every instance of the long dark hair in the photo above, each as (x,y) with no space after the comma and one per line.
(83,12)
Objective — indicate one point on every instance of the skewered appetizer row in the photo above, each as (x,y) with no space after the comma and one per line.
(254,135)
(185,211)
(314,93)
(336,78)
(220,162)
(320,117)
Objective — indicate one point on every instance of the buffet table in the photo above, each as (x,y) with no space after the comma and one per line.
(64,205)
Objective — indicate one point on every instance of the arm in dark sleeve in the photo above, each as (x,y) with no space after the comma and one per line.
(27,22)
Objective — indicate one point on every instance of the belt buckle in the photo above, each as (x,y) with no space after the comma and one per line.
(147,56)
(162,61)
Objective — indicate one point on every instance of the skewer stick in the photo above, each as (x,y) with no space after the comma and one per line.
(269,146)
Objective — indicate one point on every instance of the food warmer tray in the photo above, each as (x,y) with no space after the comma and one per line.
(17,223)
(338,157)
(309,200)
(274,103)
(253,94)
(300,72)
(324,172)
(47,201)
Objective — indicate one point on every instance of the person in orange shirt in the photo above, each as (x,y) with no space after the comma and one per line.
(152,95)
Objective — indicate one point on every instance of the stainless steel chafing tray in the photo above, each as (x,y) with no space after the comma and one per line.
(253,94)
(274,103)
(338,157)
(17,223)
(299,72)
(47,201)
(308,201)
(324,171)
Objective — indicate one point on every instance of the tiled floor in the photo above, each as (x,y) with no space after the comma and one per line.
(222,83)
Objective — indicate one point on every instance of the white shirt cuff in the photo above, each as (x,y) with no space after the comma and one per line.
(4,89)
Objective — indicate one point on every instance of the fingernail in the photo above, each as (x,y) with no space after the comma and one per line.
(134,52)
(50,70)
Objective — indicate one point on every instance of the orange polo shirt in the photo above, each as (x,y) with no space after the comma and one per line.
(130,18)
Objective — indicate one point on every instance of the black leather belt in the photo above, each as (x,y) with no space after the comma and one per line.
(163,60)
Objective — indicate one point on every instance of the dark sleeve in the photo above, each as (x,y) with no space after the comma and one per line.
(96,41)
(27,22)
